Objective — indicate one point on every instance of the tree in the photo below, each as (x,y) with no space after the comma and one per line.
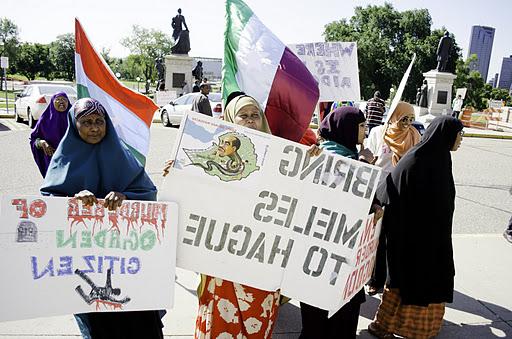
(472,80)
(9,40)
(112,62)
(62,55)
(33,60)
(147,44)
(386,40)
(132,67)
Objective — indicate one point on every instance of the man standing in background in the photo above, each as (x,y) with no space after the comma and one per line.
(374,111)
(457,106)
(201,103)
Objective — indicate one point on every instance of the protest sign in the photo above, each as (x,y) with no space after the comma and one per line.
(59,257)
(400,90)
(256,209)
(334,65)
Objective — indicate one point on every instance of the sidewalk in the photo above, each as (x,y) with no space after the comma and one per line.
(482,305)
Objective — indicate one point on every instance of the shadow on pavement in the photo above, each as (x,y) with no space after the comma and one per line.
(4,128)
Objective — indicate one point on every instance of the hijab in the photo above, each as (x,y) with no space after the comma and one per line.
(420,194)
(341,127)
(51,127)
(99,168)
(236,104)
(400,140)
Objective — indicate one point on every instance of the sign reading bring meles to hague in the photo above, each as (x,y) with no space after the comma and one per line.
(257,210)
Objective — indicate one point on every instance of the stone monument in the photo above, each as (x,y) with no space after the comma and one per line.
(178,65)
(436,91)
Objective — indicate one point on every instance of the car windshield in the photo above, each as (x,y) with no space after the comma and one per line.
(55,89)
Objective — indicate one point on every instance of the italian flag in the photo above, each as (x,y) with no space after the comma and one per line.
(130,112)
(258,63)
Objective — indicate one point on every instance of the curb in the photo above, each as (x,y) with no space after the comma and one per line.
(6,116)
(487,136)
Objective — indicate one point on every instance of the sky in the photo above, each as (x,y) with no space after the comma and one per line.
(107,22)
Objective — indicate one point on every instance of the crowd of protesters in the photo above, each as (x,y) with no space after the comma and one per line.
(78,151)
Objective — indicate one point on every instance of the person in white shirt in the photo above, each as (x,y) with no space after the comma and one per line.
(457,106)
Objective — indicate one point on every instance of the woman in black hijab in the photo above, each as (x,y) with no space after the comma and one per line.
(341,131)
(420,198)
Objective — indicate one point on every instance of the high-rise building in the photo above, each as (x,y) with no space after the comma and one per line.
(506,73)
(480,44)
(495,80)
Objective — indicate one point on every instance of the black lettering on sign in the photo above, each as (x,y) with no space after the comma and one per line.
(312,256)
(288,210)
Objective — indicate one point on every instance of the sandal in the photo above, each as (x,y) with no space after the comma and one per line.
(372,290)
(376,331)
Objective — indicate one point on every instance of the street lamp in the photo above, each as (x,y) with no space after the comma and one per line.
(138,79)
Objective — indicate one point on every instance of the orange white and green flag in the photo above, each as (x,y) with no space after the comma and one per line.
(130,112)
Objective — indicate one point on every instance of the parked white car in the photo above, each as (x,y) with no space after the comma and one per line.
(34,100)
(172,113)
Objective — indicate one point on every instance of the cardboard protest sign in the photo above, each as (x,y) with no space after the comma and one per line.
(59,257)
(334,65)
(365,262)
(256,209)
(400,90)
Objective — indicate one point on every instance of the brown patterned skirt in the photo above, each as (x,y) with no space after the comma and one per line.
(409,321)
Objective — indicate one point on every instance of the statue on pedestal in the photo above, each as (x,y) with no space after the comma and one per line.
(160,68)
(443,52)
(197,72)
(423,102)
(180,35)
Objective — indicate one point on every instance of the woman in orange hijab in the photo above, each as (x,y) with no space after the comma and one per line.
(389,143)
(400,134)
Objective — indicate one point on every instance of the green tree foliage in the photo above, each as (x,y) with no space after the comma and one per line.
(33,60)
(147,45)
(386,40)
(62,56)
(9,40)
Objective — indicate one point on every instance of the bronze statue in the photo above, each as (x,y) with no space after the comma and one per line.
(160,68)
(180,35)
(197,72)
(443,52)
(423,102)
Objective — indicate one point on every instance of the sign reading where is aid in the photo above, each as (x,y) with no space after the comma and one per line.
(59,257)
(257,210)
(334,65)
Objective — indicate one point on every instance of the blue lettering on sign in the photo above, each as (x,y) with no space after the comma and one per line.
(66,265)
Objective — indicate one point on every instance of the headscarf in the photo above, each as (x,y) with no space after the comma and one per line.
(99,168)
(309,138)
(342,126)
(420,194)
(51,127)
(400,140)
(238,103)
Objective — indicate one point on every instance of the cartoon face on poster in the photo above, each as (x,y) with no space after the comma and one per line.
(62,257)
(220,152)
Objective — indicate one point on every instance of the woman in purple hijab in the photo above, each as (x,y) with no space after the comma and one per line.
(49,130)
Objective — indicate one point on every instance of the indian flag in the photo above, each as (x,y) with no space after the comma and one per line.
(258,63)
(130,112)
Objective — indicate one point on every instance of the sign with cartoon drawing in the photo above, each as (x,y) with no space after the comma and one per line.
(258,210)
(60,257)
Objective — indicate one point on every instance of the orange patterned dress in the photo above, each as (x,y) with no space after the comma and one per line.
(229,310)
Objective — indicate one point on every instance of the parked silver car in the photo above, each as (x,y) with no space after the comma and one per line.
(34,100)
(172,113)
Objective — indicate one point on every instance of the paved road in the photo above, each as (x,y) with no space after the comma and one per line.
(481,169)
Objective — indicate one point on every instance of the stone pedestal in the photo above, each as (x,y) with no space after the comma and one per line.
(178,68)
(439,92)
